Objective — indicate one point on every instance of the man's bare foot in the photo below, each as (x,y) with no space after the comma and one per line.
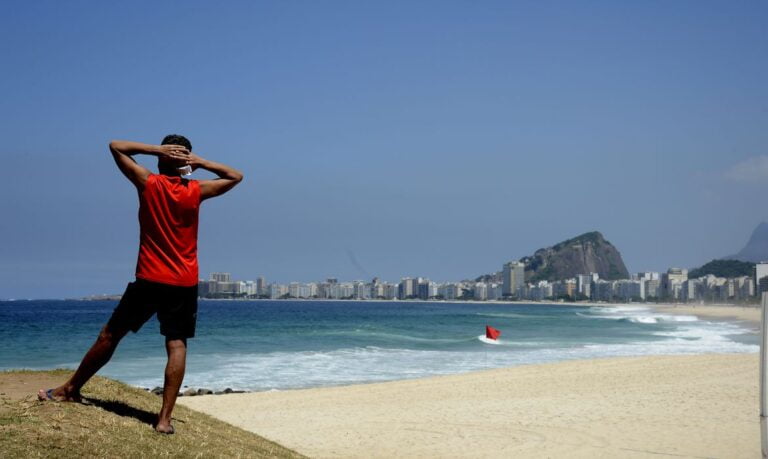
(59,394)
(164,428)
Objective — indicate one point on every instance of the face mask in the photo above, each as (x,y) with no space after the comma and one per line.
(185,171)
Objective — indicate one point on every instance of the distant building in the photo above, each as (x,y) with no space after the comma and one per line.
(261,286)
(541,291)
(584,284)
(276,291)
(221,277)
(672,282)
(390,291)
(361,290)
(652,288)
(494,291)
(761,272)
(450,291)
(480,291)
(512,278)
(604,290)
(409,288)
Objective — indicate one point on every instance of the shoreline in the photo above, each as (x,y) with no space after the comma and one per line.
(744,315)
(697,405)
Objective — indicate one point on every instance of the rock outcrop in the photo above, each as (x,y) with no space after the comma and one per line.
(584,254)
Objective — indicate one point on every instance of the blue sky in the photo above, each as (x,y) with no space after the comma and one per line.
(435,139)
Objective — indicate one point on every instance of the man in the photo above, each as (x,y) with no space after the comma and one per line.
(167,269)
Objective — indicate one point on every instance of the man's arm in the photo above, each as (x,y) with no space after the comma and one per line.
(228,177)
(122,150)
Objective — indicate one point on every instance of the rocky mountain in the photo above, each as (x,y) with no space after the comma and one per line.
(584,254)
(756,249)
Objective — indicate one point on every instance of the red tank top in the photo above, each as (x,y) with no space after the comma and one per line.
(168,212)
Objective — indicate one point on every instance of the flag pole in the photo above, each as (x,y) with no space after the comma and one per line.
(764,377)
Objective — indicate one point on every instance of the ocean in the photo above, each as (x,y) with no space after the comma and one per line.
(276,345)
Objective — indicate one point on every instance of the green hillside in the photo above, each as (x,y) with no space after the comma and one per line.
(724,268)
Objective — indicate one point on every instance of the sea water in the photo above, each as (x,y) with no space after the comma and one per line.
(274,345)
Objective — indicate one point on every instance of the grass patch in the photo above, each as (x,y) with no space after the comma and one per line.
(117,422)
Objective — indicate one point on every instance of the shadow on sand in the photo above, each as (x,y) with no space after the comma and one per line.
(125,410)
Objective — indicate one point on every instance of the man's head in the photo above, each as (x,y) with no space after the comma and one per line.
(168,167)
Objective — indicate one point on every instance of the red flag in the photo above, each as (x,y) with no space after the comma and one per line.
(491,333)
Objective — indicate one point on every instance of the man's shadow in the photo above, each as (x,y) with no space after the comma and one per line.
(125,410)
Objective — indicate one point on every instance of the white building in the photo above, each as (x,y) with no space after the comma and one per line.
(603,290)
(480,291)
(761,271)
(276,291)
(672,282)
(494,291)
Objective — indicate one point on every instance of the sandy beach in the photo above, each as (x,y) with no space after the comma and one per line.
(690,406)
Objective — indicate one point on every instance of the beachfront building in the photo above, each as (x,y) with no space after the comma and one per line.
(277,291)
(390,291)
(691,290)
(761,277)
(409,288)
(603,290)
(426,289)
(221,277)
(261,286)
(584,284)
(745,287)
(538,292)
(512,278)
(494,291)
(450,291)
(230,288)
(629,290)
(294,290)
(361,291)
(346,290)
(480,291)
(672,282)
(377,289)
(652,288)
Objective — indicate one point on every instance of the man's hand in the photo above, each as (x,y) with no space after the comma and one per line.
(194,161)
(174,153)
(228,177)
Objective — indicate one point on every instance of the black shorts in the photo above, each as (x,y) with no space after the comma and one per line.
(176,308)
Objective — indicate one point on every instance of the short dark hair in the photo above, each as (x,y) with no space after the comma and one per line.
(176,139)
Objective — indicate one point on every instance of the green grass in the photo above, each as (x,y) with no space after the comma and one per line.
(117,423)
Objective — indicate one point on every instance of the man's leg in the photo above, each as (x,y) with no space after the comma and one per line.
(174,375)
(96,357)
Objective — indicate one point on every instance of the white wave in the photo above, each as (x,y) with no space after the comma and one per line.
(619,309)
(509,315)
(644,319)
(487,340)
(638,315)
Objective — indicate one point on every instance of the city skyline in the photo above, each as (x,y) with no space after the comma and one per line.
(674,285)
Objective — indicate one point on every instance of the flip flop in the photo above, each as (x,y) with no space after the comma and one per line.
(170,432)
(48,396)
